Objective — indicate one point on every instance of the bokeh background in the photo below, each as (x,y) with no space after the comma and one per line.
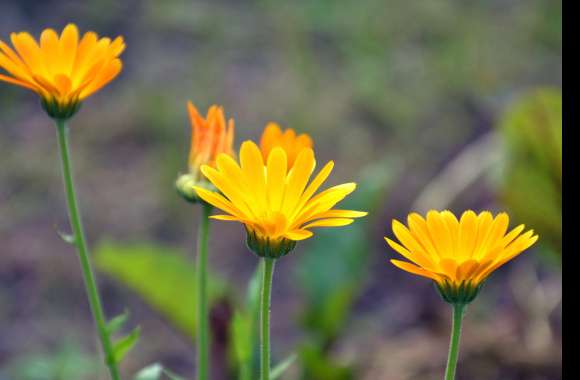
(426,104)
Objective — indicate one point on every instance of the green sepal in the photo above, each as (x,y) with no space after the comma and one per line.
(184,186)
(60,111)
(266,247)
(124,345)
(455,294)
(117,322)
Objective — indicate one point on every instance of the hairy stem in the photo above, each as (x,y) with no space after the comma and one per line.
(81,246)
(458,310)
(265,318)
(201,299)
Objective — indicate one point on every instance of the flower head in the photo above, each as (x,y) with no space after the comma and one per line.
(63,70)
(458,255)
(276,203)
(210,136)
(292,144)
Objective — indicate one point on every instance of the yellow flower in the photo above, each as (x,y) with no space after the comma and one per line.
(276,204)
(458,255)
(63,70)
(210,136)
(292,144)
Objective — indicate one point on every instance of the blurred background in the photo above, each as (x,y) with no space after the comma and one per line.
(426,104)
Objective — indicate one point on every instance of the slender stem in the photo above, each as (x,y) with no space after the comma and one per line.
(81,245)
(458,310)
(201,299)
(245,371)
(265,318)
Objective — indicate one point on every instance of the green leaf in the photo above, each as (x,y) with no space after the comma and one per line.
(282,367)
(531,179)
(154,272)
(241,336)
(317,365)
(122,346)
(244,328)
(117,322)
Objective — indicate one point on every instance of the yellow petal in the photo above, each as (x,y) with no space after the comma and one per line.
(524,242)
(19,82)
(323,202)
(227,188)
(297,179)
(276,176)
(342,214)
(408,267)
(332,222)
(298,235)
(467,233)
(106,75)
(253,168)
(448,267)
(405,237)
(313,186)
(416,257)
(218,201)
(49,47)
(29,51)
(497,230)
(440,234)
(466,270)
(85,50)
(507,239)
(228,218)
(67,50)
(13,65)
(484,224)
(420,231)
(452,225)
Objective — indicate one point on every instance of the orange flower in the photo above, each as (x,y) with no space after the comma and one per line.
(64,70)
(292,144)
(210,136)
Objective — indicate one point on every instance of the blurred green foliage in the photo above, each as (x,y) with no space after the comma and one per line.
(65,362)
(161,276)
(244,329)
(532,176)
(330,293)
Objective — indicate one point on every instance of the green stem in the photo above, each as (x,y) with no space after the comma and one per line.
(265,318)
(458,310)
(201,299)
(245,371)
(81,245)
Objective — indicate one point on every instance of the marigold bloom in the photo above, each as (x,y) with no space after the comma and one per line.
(276,203)
(292,144)
(64,70)
(458,255)
(210,136)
